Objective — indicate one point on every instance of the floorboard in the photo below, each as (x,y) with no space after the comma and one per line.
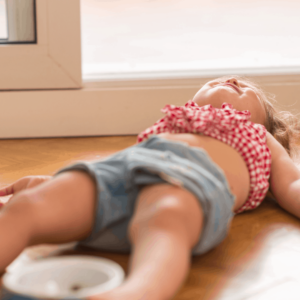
(259,259)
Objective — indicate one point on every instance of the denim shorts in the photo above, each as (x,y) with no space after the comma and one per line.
(120,177)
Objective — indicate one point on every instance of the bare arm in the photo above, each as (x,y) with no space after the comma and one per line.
(285,178)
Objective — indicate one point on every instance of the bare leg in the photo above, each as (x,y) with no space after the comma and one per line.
(166,225)
(60,210)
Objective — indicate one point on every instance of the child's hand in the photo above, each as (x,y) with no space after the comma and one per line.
(23,184)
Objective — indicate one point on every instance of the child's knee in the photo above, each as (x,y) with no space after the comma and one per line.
(167,208)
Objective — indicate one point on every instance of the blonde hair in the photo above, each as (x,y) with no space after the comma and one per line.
(283,125)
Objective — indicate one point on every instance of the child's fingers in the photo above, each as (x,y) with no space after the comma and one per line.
(22,184)
(16,187)
(9,190)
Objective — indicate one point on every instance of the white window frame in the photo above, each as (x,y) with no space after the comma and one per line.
(55,61)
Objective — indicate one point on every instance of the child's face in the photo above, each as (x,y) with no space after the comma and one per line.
(232,91)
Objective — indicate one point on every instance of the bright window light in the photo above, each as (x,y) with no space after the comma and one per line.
(144,38)
(3,20)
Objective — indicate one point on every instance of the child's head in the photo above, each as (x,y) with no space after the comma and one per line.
(244,94)
(235,91)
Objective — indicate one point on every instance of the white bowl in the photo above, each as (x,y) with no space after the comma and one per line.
(65,276)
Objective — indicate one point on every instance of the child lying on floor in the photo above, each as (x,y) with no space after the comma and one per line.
(170,196)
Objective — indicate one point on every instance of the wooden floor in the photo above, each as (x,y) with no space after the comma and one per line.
(259,260)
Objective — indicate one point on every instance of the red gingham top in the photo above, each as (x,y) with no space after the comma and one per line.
(230,126)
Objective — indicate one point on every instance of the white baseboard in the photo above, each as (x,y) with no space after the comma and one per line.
(123,107)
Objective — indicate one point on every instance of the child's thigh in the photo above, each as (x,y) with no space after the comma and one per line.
(61,209)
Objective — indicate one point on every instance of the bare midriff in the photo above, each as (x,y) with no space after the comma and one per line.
(226,157)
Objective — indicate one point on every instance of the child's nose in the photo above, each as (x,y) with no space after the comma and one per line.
(233,81)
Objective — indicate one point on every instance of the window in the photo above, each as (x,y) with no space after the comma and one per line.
(18,21)
(3,21)
(144,39)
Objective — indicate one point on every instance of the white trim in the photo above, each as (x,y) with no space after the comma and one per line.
(55,61)
(110,108)
(190,74)
(161,80)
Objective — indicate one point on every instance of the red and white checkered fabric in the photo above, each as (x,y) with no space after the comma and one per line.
(230,126)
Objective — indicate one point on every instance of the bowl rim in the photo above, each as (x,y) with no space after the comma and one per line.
(114,271)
